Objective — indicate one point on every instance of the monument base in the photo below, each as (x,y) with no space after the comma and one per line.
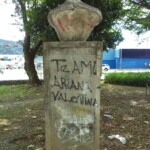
(72,95)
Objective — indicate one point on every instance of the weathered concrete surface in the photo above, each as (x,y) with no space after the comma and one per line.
(72,95)
(74,20)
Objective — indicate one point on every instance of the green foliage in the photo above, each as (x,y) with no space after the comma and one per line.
(137,15)
(107,31)
(133,79)
(38,25)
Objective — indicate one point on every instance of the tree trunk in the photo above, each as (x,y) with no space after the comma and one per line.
(29,53)
(29,56)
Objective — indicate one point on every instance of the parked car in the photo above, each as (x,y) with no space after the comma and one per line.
(105,67)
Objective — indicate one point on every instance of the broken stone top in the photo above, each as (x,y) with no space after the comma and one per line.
(74,20)
(74,1)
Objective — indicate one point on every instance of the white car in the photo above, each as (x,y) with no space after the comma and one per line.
(105,67)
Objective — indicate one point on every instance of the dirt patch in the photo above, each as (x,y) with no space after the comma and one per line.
(25,128)
(125,111)
(130,117)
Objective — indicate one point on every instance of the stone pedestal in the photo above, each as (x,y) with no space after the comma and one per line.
(72,95)
(72,71)
(74,20)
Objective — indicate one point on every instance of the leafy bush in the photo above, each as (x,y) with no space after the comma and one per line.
(130,78)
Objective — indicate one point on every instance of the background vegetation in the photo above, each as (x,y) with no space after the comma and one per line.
(130,78)
(117,15)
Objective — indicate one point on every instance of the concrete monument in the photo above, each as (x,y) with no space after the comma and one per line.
(72,79)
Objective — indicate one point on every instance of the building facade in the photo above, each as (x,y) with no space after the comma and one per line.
(127,58)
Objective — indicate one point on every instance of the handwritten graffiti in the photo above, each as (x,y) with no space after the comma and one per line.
(65,82)
(61,24)
(78,99)
(68,83)
(67,24)
(77,67)
(74,132)
(64,23)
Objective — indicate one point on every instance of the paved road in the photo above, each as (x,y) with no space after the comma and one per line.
(16,74)
(127,70)
(20,74)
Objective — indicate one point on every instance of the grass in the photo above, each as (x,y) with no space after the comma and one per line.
(9,113)
(19,92)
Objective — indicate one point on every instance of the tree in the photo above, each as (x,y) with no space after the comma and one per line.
(30,49)
(137,16)
(107,31)
(34,15)
(141,3)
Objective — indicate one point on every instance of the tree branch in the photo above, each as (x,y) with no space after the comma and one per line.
(143,3)
(36,47)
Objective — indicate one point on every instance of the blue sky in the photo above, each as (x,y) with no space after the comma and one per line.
(12,32)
